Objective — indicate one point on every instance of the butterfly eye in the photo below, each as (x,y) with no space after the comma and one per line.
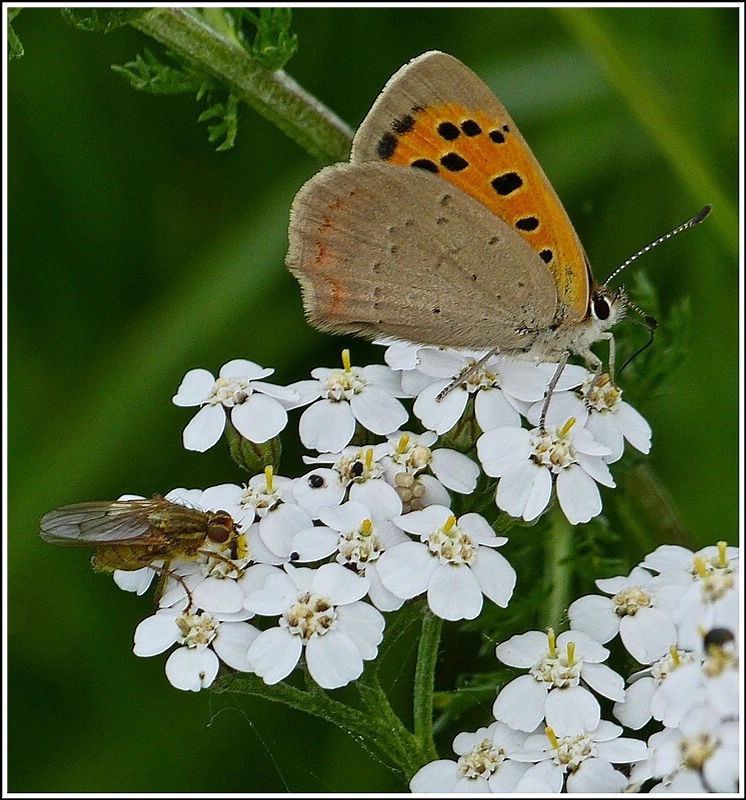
(601,308)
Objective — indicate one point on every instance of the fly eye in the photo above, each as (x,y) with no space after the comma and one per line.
(601,308)
(219,530)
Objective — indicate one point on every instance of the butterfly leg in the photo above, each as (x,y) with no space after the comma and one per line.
(550,389)
(466,373)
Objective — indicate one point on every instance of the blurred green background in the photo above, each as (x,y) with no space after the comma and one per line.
(136,252)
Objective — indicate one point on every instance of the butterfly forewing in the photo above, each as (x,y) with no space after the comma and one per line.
(437,115)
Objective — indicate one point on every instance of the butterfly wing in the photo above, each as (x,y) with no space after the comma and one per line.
(435,114)
(379,249)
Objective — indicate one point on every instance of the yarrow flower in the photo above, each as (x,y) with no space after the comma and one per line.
(453,562)
(344,397)
(204,641)
(560,669)
(257,410)
(485,764)
(583,761)
(633,612)
(531,464)
(320,613)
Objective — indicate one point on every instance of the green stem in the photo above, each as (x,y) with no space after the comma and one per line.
(558,567)
(275,95)
(424,682)
(400,744)
(362,725)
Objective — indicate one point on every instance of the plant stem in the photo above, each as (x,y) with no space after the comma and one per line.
(275,95)
(424,682)
(557,568)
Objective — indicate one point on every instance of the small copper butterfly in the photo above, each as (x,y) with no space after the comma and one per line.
(444,230)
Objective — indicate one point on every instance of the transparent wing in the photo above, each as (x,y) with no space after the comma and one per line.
(114,522)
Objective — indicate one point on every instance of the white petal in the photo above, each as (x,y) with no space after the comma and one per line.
(440,415)
(218,595)
(578,495)
(137,580)
(435,777)
(289,397)
(520,704)
(378,411)
(383,377)
(524,490)
(597,468)
(333,660)
(339,584)
(204,429)
(523,650)
(406,569)
(603,680)
(259,418)
(232,642)
(319,488)
(634,427)
(274,654)
(572,711)
(492,410)
(195,388)
(502,449)
(480,530)
(634,712)
(363,625)
(495,575)
(453,593)
(191,670)
(156,634)
(622,750)
(244,369)
(326,426)
(647,635)
(594,615)
(380,497)
(454,470)
(346,517)
(313,544)
(423,521)
(595,776)
(279,527)
(379,595)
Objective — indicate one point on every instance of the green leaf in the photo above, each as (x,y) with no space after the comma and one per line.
(15,48)
(273,44)
(227,126)
(101,19)
(146,73)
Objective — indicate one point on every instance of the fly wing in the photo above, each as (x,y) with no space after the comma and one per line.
(379,249)
(105,523)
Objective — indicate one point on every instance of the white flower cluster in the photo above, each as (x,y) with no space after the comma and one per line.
(382,511)
(677,614)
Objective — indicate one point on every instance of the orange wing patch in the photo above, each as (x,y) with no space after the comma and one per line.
(488,160)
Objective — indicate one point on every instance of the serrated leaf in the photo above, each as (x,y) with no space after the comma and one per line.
(15,48)
(227,127)
(101,19)
(272,44)
(146,73)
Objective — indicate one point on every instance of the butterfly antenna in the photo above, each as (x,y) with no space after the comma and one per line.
(695,220)
(646,321)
